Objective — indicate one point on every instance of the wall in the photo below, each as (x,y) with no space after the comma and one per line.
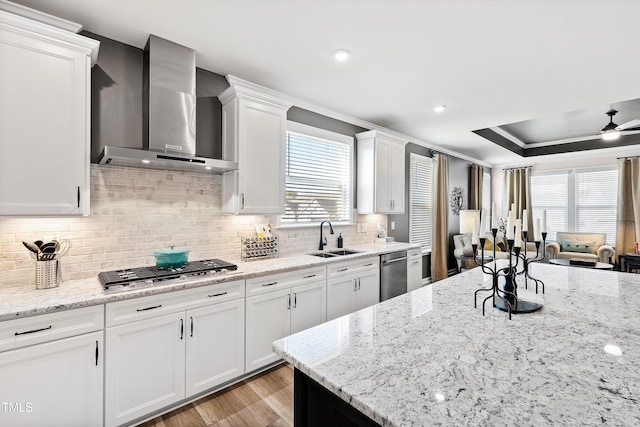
(137,211)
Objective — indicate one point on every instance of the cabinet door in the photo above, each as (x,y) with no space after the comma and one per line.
(341,296)
(308,306)
(262,136)
(396,178)
(145,368)
(268,319)
(215,345)
(55,383)
(383,176)
(368,289)
(44,150)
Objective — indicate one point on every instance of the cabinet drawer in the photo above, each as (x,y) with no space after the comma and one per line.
(414,253)
(348,267)
(48,327)
(135,309)
(273,282)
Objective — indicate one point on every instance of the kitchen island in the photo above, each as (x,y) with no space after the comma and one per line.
(430,358)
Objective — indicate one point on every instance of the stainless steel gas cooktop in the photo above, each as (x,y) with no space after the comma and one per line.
(144,277)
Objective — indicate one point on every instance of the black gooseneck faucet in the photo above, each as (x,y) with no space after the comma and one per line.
(323,241)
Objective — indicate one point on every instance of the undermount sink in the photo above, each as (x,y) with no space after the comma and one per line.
(334,253)
(343,252)
(323,255)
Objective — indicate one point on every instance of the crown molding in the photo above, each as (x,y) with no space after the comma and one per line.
(36,15)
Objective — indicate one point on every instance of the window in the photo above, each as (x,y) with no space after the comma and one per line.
(550,192)
(596,202)
(318,181)
(582,201)
(486,191)
(420,200)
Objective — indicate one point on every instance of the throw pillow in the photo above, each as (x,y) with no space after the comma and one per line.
(488,246)
(467,249)
(576,246)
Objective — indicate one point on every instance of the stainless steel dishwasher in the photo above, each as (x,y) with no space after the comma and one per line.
(393,275)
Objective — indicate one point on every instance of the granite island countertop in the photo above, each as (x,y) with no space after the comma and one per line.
(23,301)
(430,358)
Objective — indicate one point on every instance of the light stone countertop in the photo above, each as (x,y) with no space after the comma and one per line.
(17,302)
(430,358)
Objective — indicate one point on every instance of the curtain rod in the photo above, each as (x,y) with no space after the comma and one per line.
(519,167)
(628,157)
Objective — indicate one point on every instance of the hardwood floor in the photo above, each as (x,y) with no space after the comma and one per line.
(264,400)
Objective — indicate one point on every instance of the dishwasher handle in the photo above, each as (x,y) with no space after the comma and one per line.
(391,261)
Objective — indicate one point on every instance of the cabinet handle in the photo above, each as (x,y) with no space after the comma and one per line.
(242,201)
(191,326)
(355,286)
(217,295)
(309,276)
(32,332)
(181,329)
(295,299)
(342,269)
(78,196)
(149,308)
(367,265)
(415,262)
(358,279)
(288,301)
(96,352)
(270,284)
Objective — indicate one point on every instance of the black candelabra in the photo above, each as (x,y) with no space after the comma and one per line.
(505,298)
(526,261)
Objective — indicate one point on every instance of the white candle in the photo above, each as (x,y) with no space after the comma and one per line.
(518,240)
(474,232)
(513,207)
(510,226)
(483,223)
(494,215)
(544,221)
(536,230)
(525,221)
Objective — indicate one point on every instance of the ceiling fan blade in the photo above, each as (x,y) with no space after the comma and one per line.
(627,126)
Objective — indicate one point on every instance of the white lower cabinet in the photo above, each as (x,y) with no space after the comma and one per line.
(352,285)
(58,383)
(209,365)
(165,348)
(414,269)
(51,373)
(279,305)
(145,367)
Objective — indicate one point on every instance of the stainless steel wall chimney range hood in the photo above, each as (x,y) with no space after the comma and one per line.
(169,115)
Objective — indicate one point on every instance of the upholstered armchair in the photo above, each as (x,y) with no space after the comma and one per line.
(587,246)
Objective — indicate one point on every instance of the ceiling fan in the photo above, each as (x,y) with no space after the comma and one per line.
(613,131)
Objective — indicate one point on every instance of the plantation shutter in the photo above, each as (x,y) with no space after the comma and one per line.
(596,202)
(318,180)
(421,200)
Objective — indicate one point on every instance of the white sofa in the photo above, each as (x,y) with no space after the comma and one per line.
(462,246)
(563,247)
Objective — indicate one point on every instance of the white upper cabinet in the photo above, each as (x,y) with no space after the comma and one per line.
(44,118)
(254,130)
(381,173)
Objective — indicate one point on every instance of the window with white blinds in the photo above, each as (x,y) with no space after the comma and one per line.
(550,192)
(596,202)
(582,201)
(486,191)
(318,169)
(420,200)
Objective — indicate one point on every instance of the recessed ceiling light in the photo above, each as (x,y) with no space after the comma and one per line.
(146,162)
(341,54)
(439,108)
